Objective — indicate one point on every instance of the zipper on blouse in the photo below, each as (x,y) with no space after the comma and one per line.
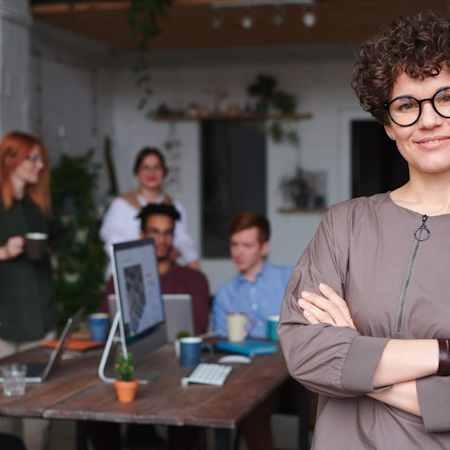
(421,234)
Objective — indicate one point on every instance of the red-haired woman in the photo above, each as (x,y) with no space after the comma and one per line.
(27,311)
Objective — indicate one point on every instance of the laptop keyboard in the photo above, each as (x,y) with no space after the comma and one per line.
(213,374)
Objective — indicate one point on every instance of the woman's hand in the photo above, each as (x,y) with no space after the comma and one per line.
(330,308)
(13,248)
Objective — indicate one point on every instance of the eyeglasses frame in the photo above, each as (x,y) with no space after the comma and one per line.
(35,158)
(387,106)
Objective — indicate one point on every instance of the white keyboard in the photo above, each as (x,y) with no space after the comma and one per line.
(214,374)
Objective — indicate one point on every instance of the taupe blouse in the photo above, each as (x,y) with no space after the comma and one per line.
(396,281)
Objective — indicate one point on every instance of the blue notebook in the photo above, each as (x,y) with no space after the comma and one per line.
(248,347)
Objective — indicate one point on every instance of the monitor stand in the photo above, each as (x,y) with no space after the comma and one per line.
(143,377)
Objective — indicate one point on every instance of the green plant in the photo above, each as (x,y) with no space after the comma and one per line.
(77,177)
(183,334)
(265,88)
(124,368)
(295,188)
(79,261)
(284,102)
(143,24)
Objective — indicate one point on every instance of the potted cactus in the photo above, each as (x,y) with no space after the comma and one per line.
(181,334)
(126,385)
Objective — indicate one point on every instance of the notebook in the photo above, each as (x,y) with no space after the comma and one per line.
(249,347)
(75,344)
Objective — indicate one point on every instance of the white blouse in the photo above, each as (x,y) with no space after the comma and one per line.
(120,224)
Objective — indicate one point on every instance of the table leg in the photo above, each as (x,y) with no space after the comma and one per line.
(222,439)
(82,443)
(303,418)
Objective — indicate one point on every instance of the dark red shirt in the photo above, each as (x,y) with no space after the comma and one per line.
(181,280)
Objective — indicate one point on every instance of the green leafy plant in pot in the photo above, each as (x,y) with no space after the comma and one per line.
(126,385)
(263,88)
(180,335)
(295,189)
(79,260)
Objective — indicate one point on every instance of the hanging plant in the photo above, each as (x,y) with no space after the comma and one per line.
(143,23)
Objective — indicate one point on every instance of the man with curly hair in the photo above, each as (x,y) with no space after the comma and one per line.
(380,359)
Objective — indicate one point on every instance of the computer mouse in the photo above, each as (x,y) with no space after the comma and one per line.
(235,359)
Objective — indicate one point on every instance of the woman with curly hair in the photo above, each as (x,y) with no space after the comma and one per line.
(380,359)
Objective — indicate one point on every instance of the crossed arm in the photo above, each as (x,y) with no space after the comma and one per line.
(402,361)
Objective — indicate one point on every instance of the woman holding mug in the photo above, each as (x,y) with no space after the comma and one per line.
(121,222)
(27,309)
(365,320)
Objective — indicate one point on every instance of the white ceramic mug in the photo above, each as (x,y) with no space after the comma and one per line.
(237,324)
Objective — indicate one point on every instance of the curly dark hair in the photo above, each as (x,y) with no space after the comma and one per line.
(160,209)
(418,46)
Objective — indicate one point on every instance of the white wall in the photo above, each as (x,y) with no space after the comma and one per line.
(322,83)
(15,24)
(71,94)
(62,66)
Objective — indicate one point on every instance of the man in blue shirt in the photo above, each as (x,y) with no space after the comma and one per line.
(258,289)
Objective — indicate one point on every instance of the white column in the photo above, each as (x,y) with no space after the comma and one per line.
(15,87)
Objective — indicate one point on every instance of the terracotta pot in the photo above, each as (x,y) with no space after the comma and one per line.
(126,390)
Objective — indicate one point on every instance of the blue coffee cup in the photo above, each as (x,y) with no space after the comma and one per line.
(191,349)
(99,324)
(272,327)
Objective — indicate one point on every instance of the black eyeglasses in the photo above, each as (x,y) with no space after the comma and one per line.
(405,111)
(35,158)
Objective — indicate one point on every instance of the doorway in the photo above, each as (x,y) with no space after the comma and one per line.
(377,165)
(233,179)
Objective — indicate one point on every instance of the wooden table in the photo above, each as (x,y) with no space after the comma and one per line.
(75,392)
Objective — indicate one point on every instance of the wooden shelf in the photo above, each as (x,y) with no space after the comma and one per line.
(303,210)
(241,117)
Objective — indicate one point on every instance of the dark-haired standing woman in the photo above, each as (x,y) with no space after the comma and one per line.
(121,224)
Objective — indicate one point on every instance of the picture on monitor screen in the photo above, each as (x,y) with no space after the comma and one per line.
(136,295)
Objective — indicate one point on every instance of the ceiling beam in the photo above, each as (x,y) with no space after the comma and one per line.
(68,8)
(85,6)
(188,23)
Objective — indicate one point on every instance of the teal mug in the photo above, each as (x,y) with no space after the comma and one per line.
(272,327)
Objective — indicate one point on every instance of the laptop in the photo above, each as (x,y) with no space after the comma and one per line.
(38,372)
(179,315)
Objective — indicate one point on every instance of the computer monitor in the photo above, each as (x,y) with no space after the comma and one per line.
(137,287)
(140,314)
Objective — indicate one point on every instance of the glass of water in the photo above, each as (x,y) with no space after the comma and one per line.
(14,379)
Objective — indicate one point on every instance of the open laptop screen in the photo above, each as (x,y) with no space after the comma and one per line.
(138,289)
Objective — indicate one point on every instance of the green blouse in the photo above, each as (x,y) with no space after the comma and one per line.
(27,309)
